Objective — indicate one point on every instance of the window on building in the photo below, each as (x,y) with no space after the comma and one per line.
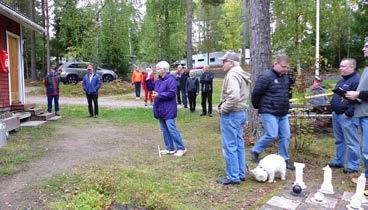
(200,60)
(212,60)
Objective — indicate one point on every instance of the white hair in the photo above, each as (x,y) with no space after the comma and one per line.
(163,65)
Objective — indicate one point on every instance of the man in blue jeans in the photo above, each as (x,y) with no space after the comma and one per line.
(344,124)
(232,109)
(271,97)
(361,110)
(165,110)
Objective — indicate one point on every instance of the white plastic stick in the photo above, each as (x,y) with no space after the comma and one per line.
(159,151)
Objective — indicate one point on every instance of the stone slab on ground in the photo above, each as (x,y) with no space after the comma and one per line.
(283,203)
(54,118)
(32,123)
(329,204)
(285,200)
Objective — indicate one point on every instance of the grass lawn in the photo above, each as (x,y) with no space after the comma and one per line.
(145,180)
(168,182)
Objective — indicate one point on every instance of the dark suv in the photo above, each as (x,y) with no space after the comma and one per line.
(73,72)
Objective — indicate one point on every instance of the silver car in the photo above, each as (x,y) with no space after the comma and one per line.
(73,72)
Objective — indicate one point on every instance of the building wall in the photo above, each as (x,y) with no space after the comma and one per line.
(6,25)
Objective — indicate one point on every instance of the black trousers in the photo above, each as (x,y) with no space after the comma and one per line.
(178,98)
(206,96)
(192,100)
(92,97)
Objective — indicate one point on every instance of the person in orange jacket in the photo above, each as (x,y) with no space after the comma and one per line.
(136,80)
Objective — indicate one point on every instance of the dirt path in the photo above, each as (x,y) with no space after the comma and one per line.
(108,102)
(73,146)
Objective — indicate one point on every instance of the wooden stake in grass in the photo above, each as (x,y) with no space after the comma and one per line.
(159,151)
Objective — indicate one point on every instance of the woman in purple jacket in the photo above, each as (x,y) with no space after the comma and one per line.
(165,110)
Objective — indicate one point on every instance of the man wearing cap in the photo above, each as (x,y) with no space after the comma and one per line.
(232,109)
(271,97)
(344,124)
(165,110)
(317,89)
(361,110)
(91,85)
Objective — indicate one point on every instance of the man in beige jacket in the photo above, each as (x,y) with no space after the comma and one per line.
(232,109)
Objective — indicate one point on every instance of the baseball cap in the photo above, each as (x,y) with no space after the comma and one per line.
(230,55)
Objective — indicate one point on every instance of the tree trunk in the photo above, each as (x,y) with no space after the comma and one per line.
(47,36)
(260,50)
(189,33)
(44,65)
(244,31)
(33,44)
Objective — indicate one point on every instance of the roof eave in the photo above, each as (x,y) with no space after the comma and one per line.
(20,19)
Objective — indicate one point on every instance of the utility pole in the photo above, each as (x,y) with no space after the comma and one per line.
(317,38)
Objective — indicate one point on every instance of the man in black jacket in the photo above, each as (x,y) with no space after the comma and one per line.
(183,82)
(206,90)
(345,125)
(271,97)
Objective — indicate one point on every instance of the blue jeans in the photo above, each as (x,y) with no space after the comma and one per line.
(233,144)
(363,122)
(274,127)
(171,135)
(347,143)
(184,97)
(137,86)
(49,103)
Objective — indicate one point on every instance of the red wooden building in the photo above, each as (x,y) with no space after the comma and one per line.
(12,88)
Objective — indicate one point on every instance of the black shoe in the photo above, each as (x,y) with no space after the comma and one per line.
(349,171)
(254,157)
(242,179)
(226,181)
(185,106)
(289,166)
(203,114)
(334,165)
(210,115)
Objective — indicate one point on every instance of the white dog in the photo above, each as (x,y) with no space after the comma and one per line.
(269,167)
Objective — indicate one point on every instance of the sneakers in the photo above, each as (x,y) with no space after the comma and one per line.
(289,166)
(57,113)
(254,157)
(203,114)
(210,115)
(180,152)
(334,165)
(167,152)
(349,171)
(226,181)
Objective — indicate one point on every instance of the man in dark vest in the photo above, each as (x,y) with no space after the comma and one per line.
(271,97)
(51,82)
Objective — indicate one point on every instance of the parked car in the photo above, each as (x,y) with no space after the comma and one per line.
(73,72)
